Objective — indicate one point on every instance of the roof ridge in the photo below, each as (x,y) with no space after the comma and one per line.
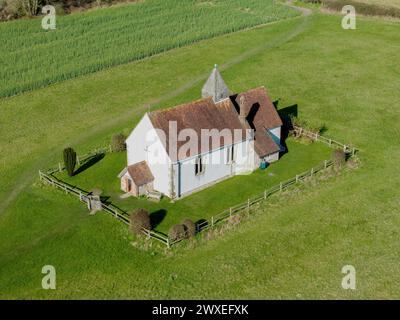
(182,105)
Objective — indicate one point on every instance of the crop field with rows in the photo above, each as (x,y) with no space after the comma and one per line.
(31,57)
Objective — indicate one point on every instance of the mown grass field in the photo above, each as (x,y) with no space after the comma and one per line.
(31,57)
(348,80)
(206,203)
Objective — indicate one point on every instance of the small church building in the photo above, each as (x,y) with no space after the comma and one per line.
(176,174)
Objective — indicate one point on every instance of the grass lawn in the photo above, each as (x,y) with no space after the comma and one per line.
(346,79)
(205,203)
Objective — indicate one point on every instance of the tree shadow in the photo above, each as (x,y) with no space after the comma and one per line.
(157,217)
(201,224)
(105,199)
(89,162)
(323,129)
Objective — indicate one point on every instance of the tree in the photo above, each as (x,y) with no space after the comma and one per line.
(177,232)
(118,142)
(70,160)
(339,158)
(31,6)
(190,228)
(140,220)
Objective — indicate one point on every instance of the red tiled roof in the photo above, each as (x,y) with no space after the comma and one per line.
(205,114)
(261,115)
(266,117)
(140,173)
(198,115)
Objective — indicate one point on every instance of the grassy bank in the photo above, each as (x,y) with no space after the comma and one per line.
(346,79)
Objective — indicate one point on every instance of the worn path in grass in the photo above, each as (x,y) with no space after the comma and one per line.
(105,124)
(294,249)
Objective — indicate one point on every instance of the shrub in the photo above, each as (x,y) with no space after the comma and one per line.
(364,8)
(118,142)
(338,158)
(234,220)
(10,9)
(69,160)
(190,228)
(177,232)
(139,220)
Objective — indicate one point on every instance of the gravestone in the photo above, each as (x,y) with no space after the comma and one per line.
(94,201)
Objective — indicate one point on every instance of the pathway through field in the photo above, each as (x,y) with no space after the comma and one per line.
(30,173)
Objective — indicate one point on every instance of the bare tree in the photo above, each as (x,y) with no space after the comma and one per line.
(31,6)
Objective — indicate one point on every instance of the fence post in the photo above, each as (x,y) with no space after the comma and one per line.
(230,211)
(280,186)
(168,244)
(312,171)
(59,167)
(265,194)
(297,178)
(325,164)
(77,160)
(109,148)
(353,152)
(248,206)
(344,148)
(330,142)
(212,221)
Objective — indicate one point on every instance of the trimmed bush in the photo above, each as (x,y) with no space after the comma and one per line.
(190,228)
(338,158)
(139,220)
(177,232)
(118,142)
(69,160)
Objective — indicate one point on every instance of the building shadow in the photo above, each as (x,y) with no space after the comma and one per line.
(286,115)
(157,217)
(89,162)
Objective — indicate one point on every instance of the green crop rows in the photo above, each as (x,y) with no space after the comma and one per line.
(31,57)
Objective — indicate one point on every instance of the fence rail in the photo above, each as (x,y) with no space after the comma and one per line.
(299,131)
(82,195)
(80,159)
(217,219)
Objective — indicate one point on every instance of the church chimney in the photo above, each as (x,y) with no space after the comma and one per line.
(242,110)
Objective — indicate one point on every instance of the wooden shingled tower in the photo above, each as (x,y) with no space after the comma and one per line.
(215,87)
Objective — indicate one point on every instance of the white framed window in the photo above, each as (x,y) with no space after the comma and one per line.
(199,166)
(230,154)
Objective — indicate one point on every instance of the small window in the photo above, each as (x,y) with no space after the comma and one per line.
(199,166)
(230,154)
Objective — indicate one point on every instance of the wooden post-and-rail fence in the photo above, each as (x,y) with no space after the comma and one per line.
(299,131)
(48,178)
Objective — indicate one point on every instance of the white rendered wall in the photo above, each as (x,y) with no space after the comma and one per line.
(217,168)
(276,132)
(143,144)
